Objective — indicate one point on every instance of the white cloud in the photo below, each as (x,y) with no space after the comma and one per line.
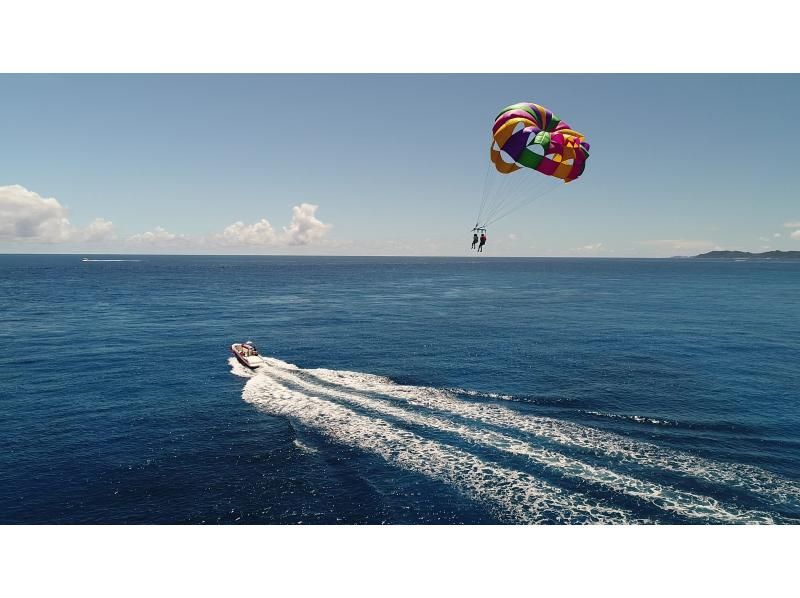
(157,237)
(99,229)
(305,228)
(795,235)
(591,248)
(239,233)
(27,216)
(512,236)
(795,224)
(776,235)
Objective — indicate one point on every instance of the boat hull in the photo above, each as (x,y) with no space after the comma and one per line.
(252,362)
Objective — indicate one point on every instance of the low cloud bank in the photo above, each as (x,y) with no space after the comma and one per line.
(304,229)
(795,234)
(158,237)
(27,217)
(590,249)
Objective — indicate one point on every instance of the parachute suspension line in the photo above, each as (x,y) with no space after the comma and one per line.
(513,194)
(519,188)
(497,188)
(518,201)
(485,194)
(524,185)
(523,204)
(488,192)
(522,194)
(500,193)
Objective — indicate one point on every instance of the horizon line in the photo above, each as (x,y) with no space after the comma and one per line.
(601,257)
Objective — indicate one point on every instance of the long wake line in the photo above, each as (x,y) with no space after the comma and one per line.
(514,496)
(772,487)
(351,407)
(664,497)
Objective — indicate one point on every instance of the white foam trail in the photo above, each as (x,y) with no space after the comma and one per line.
(515,496)
(237,369)
(304,448)
(111,260)
(770,486)
(640,419)
(669,499)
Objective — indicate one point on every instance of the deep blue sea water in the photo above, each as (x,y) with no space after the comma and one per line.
(399,390)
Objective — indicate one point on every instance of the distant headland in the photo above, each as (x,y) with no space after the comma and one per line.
(766,255)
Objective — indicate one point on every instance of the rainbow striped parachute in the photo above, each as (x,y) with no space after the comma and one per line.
(530,138)
(529,135)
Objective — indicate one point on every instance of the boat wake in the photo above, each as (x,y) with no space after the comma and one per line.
(524,468)
(89,260)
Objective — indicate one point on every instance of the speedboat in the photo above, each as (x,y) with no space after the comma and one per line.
(247,354)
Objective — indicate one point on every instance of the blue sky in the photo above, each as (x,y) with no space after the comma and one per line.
(394,163)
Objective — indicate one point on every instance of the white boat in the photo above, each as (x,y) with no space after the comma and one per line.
(247,354)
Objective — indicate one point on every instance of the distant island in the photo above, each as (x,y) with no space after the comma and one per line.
(747,254)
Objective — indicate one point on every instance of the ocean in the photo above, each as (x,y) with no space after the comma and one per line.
(399,390)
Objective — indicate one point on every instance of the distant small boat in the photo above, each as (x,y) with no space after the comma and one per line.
(86,259)
(247,354)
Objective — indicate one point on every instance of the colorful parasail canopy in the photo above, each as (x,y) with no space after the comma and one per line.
(529,135)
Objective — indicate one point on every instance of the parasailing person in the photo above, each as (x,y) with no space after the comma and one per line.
(540,148)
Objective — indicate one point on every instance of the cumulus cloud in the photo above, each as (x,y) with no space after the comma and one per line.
(776,235)
(795,234)
(591,248)
(239,233)
(99,229)
(156,237)
(304,229)
(27,216)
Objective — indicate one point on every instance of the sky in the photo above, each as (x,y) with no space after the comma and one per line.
(391,164)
